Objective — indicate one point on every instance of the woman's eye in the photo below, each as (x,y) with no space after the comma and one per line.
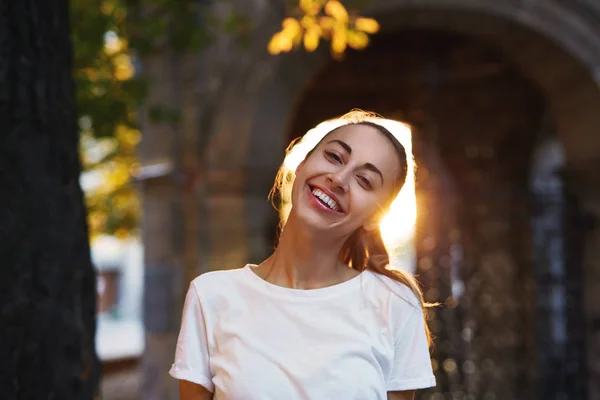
(365,182)
(333,156)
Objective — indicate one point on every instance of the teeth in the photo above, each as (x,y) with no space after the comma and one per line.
(325,199)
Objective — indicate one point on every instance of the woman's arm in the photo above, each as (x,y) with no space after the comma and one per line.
(193,391)
(404,395)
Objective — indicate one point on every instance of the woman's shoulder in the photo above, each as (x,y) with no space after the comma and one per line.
(392,290)
(218,279)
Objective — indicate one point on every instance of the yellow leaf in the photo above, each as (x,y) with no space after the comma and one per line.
(368,25)
(118,176)
(280,42)
(273,46)
(297,41)
(357,40)
(310,7)
(96,221)
(123,74)
(326,23)
(311,39)
(337,11)
(127,136)
(308,21)
(121,233)
(121,132)
(338,41)
(292,29)
(123,67)
(286,42)
(291,24)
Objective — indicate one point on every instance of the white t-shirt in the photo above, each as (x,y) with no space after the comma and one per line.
(244,338)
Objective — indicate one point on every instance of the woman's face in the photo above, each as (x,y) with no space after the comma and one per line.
(346,181)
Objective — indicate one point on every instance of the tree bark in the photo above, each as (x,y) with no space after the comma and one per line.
(47,282)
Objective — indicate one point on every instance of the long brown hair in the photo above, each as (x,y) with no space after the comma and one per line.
(363,250)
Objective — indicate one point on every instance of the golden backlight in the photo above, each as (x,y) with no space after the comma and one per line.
(397,227)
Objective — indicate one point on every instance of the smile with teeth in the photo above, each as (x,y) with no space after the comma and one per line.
(326,200)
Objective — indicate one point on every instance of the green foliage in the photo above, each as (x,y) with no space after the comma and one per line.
(107,95)
(108,37)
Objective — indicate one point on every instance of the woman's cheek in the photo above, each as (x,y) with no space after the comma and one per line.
(366,203)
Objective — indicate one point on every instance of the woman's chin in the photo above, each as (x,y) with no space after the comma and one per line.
(325,229)
(310,221)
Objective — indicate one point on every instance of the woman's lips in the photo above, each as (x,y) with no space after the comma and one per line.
(317,202)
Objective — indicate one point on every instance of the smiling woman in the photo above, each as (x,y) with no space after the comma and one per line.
(398,224)
(324,317)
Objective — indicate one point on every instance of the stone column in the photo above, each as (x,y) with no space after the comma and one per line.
(227,226)
(172,212)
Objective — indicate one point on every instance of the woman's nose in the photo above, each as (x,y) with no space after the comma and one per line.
(339,181)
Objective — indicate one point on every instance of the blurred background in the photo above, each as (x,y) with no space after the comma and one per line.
(185,109)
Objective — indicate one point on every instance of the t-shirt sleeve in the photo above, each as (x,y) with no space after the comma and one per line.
(411,368)
(191,355)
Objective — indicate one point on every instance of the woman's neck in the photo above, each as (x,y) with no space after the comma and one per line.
(305,260)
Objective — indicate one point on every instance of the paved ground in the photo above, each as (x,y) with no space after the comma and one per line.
(119,344)
(121,381)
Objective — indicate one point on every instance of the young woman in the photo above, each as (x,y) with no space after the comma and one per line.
(322,318)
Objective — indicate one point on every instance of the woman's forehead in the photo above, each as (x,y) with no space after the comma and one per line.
(369,144)
(363,137)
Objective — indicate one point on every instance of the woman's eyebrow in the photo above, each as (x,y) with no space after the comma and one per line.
(345,145)
(374,169)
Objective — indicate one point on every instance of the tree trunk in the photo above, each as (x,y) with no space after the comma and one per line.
(47,282)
